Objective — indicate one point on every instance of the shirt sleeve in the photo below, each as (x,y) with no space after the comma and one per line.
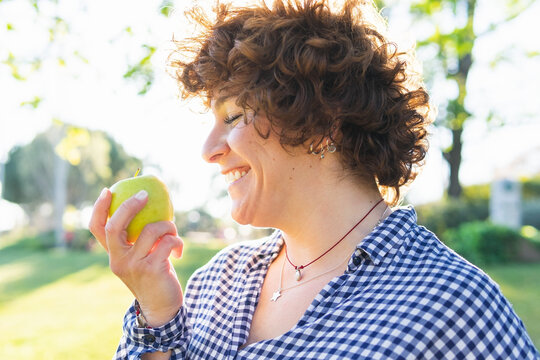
(136,341)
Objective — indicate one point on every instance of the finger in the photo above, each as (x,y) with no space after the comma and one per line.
(100,213)
(149,236)
(116,226)
(178,250)
(165,246)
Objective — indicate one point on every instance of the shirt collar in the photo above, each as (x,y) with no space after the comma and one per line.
(272,245)
(376,245)
(388,234)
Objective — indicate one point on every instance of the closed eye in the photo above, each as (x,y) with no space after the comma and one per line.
(232,118)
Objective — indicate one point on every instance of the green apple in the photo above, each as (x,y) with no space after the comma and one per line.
(158,207)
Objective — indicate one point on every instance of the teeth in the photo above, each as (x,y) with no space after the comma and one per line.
(234,175)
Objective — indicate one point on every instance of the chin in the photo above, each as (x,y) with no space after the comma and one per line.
(255,221)
(244,216)
(240,220)
(240,216)
(254,213)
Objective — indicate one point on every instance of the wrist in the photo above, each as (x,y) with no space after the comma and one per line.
(146,318)
(139,316)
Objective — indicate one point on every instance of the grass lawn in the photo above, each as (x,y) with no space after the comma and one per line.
(520,284)
(68,305)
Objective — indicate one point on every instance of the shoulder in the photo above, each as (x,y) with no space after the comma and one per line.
(456,297)
(445,273)
(448,266)
(429,297)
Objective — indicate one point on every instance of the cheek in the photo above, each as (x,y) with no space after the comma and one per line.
(246,143)
(239,136)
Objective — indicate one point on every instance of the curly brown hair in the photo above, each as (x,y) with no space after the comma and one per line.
(316,73)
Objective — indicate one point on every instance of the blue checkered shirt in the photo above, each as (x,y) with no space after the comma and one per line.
(405,295)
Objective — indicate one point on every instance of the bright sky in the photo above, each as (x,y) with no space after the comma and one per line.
(168,136)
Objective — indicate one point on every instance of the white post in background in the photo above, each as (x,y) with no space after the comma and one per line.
(505,203)
(60,197)
(60,176)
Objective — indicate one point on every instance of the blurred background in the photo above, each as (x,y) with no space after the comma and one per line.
(86,99)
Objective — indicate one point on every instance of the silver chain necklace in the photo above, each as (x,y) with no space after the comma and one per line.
(278,292)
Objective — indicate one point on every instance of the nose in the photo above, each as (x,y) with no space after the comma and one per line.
(215,146)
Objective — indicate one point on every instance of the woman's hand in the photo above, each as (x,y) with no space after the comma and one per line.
(143,266)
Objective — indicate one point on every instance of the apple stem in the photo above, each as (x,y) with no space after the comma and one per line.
(137,172)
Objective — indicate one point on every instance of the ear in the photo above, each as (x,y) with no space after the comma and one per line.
(335,135)
(329,141)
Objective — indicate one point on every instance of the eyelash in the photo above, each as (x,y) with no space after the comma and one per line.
(232,118)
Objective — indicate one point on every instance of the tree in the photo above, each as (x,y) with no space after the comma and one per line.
(197,219)
(65,48)
(454,58)
(64,165)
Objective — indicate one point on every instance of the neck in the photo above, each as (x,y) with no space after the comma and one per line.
(324,220)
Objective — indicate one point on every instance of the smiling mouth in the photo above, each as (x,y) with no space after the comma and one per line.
(234,175)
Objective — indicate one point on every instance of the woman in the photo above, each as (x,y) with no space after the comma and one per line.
(318,118)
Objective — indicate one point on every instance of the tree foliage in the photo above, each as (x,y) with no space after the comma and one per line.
(197,219)
(454,58)
(63,46)
(95,161)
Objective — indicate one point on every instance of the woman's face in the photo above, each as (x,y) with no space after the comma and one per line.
(261,175)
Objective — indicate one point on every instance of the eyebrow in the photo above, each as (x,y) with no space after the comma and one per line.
(220,100)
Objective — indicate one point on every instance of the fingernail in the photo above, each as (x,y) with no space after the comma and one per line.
(103,193)
(141,195)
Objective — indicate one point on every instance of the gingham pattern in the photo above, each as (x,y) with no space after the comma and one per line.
(404,296)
